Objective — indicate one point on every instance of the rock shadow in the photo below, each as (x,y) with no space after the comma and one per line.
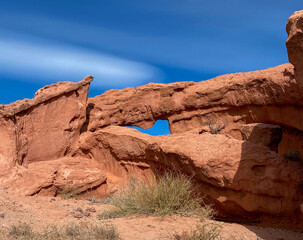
(267,197)
(89,108)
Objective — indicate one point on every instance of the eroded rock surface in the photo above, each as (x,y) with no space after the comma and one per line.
(266,134)
(294,43)
(267,96)
(238,176)
(45,127)
(64,175)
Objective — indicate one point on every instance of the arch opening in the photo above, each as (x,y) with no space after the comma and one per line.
(161,127)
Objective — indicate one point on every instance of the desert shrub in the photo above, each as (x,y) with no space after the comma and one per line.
(172,193)
(202,232)
(21,231)
(80,231)
(69,192)
(214,126)
(116,212)
(294,156)
(89,232)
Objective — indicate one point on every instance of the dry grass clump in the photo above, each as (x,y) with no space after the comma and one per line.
(202,232)
(69,192)
(23,231)
(170,194)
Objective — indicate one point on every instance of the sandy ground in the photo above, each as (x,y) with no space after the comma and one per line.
(43,211)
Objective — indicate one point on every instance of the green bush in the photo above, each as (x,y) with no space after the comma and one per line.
(170,194)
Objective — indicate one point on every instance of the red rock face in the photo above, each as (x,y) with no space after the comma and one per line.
(261,96)
(239,177)
(48,126)
(44,128)
(294,43)
(7,146)
(266,134)
(270,96)
(234,134)
(64,174)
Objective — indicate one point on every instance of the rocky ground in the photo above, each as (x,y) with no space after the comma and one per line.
(40,212)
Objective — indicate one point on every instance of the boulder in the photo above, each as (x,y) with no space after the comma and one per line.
(60,176)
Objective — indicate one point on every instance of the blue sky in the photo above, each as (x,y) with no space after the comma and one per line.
(133,42)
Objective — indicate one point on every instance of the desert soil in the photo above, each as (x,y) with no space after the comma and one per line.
(43,211)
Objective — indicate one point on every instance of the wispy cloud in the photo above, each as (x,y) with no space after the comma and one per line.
(203,44)
(62,62)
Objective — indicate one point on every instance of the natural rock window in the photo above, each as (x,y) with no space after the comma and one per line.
(160,128)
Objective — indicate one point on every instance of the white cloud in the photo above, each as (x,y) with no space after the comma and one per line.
(30,60)
(205,44)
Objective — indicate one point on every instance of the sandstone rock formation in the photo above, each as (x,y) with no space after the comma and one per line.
(233,134)
(266,134)
(294,41)
(263,96)
(269,96)
(64,174)
(44,128)
(238,176)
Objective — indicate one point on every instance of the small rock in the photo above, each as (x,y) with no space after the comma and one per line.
(86,214)
(79,210)
(90,209)
(2,215)
(77,215)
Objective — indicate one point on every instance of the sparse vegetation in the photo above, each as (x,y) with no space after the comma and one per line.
(115,212)
(69,192)
(214,126)
(23,231)
(93,201)
(294,156)
(202,232)
(170,194)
